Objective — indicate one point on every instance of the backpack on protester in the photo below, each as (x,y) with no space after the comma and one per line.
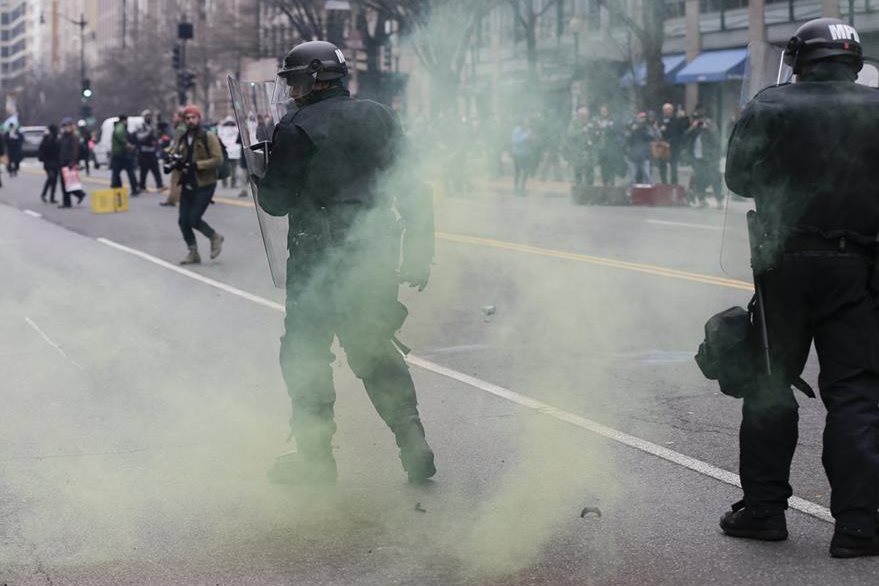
(225,169)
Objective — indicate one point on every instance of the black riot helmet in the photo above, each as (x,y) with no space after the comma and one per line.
(824,38)
(310,62)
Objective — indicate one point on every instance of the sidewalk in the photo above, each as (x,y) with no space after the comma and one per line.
(552,188)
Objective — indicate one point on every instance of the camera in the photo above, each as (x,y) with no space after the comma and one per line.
(174,162)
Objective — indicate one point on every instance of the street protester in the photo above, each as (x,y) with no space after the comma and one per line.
(49,155)
(197,156)
(147,137)
(68,157)
(609,146)
(121,150)
(672,127)
(85,145)
(325,173)
(639,137)
(703,139)
(178,129)
(580,148)
(14,141)
(805,152)
(227,132)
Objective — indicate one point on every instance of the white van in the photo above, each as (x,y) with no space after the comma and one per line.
(105,138)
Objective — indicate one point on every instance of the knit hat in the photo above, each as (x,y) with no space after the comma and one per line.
(192,109)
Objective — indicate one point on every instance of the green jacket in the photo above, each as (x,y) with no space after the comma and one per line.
(207,160)
(119,144)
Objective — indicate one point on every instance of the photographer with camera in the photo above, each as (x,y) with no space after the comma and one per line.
(704,147)
(197,156)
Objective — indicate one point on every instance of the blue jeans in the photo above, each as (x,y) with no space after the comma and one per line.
(639,172)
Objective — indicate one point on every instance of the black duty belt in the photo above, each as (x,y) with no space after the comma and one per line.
(814,243)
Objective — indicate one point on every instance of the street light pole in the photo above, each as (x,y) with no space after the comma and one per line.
(81,24)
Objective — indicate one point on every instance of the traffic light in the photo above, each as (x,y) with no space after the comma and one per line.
(175,57)
(389,65)
(185,80)
(85,111)
(86,88)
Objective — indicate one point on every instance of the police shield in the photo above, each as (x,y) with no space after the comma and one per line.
(258,107)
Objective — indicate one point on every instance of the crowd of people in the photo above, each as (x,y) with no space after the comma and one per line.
(647,147)
(195,156)
(598,148)
(137,152)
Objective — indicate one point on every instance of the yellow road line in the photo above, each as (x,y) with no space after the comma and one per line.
(597,260)
(545,252)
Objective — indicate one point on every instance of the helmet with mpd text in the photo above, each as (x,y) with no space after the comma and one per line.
(824,38)
(322,60)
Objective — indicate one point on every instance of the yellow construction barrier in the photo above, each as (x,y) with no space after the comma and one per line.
(109,201)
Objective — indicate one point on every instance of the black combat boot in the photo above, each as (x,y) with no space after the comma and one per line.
(415,453)
(846,545)
(756,523)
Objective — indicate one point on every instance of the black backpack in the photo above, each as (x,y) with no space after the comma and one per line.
(225,169)
(731,354)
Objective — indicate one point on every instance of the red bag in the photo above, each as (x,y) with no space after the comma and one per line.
(71,179)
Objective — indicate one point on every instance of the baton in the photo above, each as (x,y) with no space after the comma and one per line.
(754,236)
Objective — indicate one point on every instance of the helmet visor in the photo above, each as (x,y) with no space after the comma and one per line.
(299,85)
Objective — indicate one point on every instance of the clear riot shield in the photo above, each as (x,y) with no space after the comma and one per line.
(765,67)
(250,100)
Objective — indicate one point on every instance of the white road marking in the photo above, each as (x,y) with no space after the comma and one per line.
(684,224)
(704,468)
(194,275)
(51,343)
(33,214)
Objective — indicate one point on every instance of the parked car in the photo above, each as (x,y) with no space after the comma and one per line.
(32,135)
(105,138)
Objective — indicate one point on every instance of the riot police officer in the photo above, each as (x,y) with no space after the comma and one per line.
(332,172)
(806,152)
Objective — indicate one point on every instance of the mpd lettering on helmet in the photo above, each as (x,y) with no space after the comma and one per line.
(843,31)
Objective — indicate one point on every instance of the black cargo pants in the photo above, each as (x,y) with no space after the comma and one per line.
(350,293)
(822,296)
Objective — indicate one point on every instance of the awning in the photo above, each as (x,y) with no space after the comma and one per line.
(712,66)
(672,64)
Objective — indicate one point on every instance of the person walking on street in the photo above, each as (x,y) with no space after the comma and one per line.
(85,146)
(804,152)
(121,150)
(49,155)
(68,157)
(200,157)
(14,141)
(148,151)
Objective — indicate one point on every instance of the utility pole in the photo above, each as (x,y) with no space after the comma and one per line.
(185,78)
(85,84)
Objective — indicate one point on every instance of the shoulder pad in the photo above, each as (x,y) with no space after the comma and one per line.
(771,87)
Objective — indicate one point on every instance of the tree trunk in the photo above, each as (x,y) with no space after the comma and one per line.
(651,39)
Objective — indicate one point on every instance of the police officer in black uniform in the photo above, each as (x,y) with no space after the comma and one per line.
(332,171)
(807,153)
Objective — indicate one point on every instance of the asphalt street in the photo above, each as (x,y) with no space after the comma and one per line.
(142,406)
